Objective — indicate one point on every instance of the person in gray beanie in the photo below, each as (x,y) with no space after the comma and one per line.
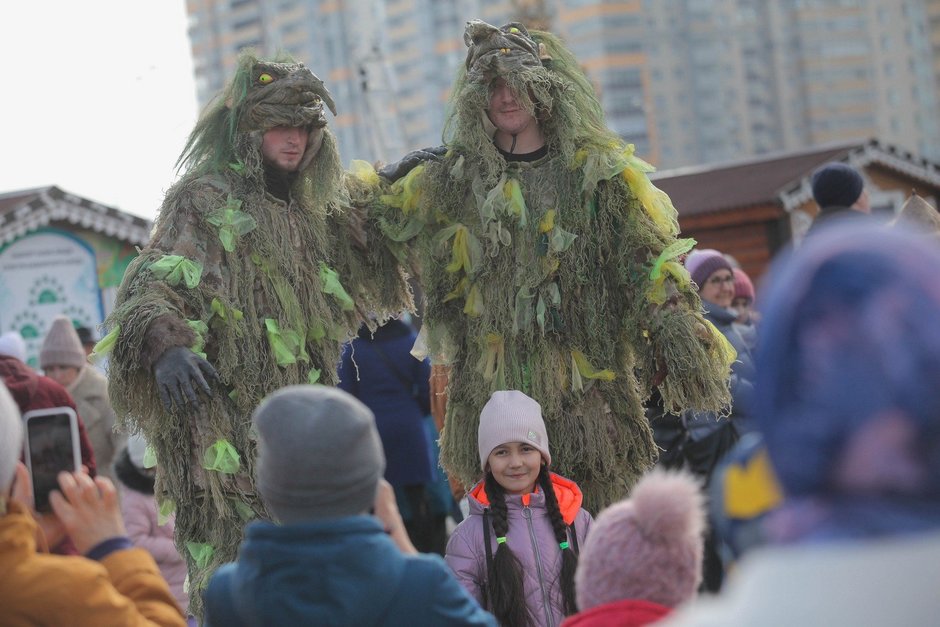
(327,560)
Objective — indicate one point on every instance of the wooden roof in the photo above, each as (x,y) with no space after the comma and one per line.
(24,211)
(768,179)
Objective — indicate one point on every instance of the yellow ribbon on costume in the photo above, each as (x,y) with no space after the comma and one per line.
(459,291)
(515,203)
(657,203)
(721,349)
(586,370)
(751,489)
(492,363)
(460,253)
(405,192)
(547,223)
(474,305)
(364,172)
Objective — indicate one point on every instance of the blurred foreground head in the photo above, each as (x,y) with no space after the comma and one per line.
(319,454)
(849,371)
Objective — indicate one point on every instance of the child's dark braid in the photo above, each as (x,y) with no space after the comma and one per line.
(569,560)
(507,596)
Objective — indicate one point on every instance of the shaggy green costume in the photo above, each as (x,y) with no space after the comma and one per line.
(265,289)
(558,277)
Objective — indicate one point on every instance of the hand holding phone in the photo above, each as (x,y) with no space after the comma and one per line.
(51,446)
(88,508)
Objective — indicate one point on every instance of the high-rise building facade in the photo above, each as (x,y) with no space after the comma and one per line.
(687,81)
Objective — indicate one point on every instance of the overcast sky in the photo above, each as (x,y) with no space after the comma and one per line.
(98,98)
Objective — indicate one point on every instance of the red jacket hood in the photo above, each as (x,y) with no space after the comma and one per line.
(566,491)
(20,379)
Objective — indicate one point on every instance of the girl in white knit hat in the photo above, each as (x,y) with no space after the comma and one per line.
(517,551)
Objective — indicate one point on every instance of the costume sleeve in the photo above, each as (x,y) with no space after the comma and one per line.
(165,294)
(661,313)
(374,266)
(465,562)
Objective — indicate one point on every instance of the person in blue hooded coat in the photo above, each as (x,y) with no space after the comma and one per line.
(328,561)
(848,402)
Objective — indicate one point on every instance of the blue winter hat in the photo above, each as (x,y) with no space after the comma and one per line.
(837,185)
(850,331)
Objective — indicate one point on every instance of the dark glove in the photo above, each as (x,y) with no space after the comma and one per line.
(176,370)
(394,171)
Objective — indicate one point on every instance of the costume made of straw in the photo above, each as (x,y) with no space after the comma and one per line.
(265,289)
(557,277)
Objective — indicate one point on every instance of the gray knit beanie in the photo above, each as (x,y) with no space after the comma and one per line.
(511,416)
(320,455)
(61,346)
(11,438)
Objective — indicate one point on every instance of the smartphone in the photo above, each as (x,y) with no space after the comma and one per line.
(51,446)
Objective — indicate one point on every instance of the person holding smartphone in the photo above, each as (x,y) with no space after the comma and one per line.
(32,391)
(114,584)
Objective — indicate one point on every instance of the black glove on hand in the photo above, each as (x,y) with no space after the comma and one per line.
(176,370)
(394,171)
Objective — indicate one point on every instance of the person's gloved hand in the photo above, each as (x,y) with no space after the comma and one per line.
(394,171)
(176,370)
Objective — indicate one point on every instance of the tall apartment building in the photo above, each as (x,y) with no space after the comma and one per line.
(687,81)
(738,77)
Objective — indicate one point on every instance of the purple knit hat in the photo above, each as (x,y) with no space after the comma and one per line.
(648,547)
(511,416)
(702,262)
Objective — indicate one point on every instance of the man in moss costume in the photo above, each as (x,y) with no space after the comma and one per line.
(551,265)
(257,271)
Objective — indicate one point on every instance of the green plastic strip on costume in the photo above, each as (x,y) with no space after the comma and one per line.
(313,376)
(243,510)
(106,344)
(665,267)
(150,457)
(523,311)
(331,285)
(316,331)
(201,329)
(232,223)
(237,168)
(201,553)
(222,457)
(164,511)
(561,240)
(175,269)
(225,313)
(285,343)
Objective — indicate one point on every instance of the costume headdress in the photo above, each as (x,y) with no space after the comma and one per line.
(261,95)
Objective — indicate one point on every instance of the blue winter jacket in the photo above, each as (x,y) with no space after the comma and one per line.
(342,571)
(395,386)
